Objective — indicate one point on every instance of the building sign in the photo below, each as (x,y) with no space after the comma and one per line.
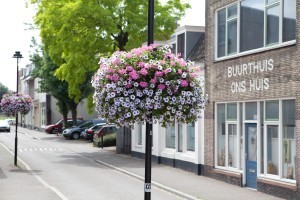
(247,69)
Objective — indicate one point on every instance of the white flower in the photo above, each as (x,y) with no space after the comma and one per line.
(132,97)
(161,80)
(167,82)
(152,85)
(135,84)
(159,67)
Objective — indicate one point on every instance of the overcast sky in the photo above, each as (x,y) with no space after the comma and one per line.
(15,37)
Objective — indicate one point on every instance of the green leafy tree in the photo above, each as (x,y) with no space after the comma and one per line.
(75,32)
(44,69)
(3,90)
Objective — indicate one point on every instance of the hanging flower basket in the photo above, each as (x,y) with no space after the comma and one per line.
(12,103)
(148,84)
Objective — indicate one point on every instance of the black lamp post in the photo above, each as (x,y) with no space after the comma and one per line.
(18,56)
(148,146)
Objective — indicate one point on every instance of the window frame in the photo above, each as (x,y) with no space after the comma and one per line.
(266,46)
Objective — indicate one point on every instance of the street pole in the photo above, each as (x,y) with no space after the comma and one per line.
(17,55)
(148,147)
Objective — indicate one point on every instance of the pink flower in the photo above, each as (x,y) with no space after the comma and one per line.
(161,86)
(141,64)
(193,75)
(184,83)
(168,70)
(159,74)
(143,84)
(163,62)
(179,71)
(153,81)
(128,86)
(122,71)
(133,75)
(128,55)
(182,63)
(144,72)
(129,68)
(172,63)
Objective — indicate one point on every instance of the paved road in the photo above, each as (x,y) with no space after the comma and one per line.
(68,169)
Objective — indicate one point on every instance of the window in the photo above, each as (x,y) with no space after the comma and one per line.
(181,44)
(254,24)
(275,154)
(170,137)
(191,136)
(139,134)
(251,111)
(288,139)
(227,31)
(180,137)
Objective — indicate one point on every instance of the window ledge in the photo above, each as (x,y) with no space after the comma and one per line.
(291,186)
(227,172)
(289,43)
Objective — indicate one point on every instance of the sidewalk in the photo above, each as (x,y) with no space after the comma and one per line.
(16,182)
(179,182)
(182,183)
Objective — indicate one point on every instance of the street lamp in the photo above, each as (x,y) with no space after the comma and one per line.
(148,146)
(18,56)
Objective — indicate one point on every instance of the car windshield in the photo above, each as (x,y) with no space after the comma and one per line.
(4,123)
(85,124)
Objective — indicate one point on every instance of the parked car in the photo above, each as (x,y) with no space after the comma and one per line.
(58,126)
(105,130)
(89,133)
(11,121)
(4,126)
(75,131)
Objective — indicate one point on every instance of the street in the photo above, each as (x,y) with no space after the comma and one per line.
(68,168)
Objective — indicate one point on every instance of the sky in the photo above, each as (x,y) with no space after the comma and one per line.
(15,36)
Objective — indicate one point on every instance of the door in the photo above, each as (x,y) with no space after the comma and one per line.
(251,155)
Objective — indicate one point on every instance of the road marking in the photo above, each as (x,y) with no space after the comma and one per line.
(155,184)
(56,191)
(41,149)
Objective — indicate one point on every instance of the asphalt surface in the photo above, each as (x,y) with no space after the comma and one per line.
(23,183)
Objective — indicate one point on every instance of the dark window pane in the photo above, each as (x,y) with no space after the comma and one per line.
(252,24)
(232,11)
(232,37)
(221,32)
(180,44)
(273,25)
(289,20)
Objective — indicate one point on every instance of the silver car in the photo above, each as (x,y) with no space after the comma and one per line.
(4,126)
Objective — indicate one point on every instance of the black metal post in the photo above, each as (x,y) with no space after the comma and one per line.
(148,147)
(17,55)
(102,141)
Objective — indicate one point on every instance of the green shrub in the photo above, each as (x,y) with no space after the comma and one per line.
(108,140)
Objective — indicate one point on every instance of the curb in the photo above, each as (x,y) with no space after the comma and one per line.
(155,184)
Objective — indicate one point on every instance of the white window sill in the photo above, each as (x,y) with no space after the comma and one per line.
(292,42)
(276,178)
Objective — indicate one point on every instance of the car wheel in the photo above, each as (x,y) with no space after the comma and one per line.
(8,130)
(75,136)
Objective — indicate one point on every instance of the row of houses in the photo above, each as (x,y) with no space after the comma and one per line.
(45,111)
(250,130)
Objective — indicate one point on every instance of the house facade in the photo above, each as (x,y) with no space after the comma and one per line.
(181,145)
(45,110)
(252,77)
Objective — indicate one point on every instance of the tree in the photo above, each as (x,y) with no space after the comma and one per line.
(74,32)
(44,69)
(3,90)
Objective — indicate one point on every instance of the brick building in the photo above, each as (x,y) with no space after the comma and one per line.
(252,77)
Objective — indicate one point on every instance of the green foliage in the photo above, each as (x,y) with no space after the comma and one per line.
(3,90)
(108,140)
(74,32)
